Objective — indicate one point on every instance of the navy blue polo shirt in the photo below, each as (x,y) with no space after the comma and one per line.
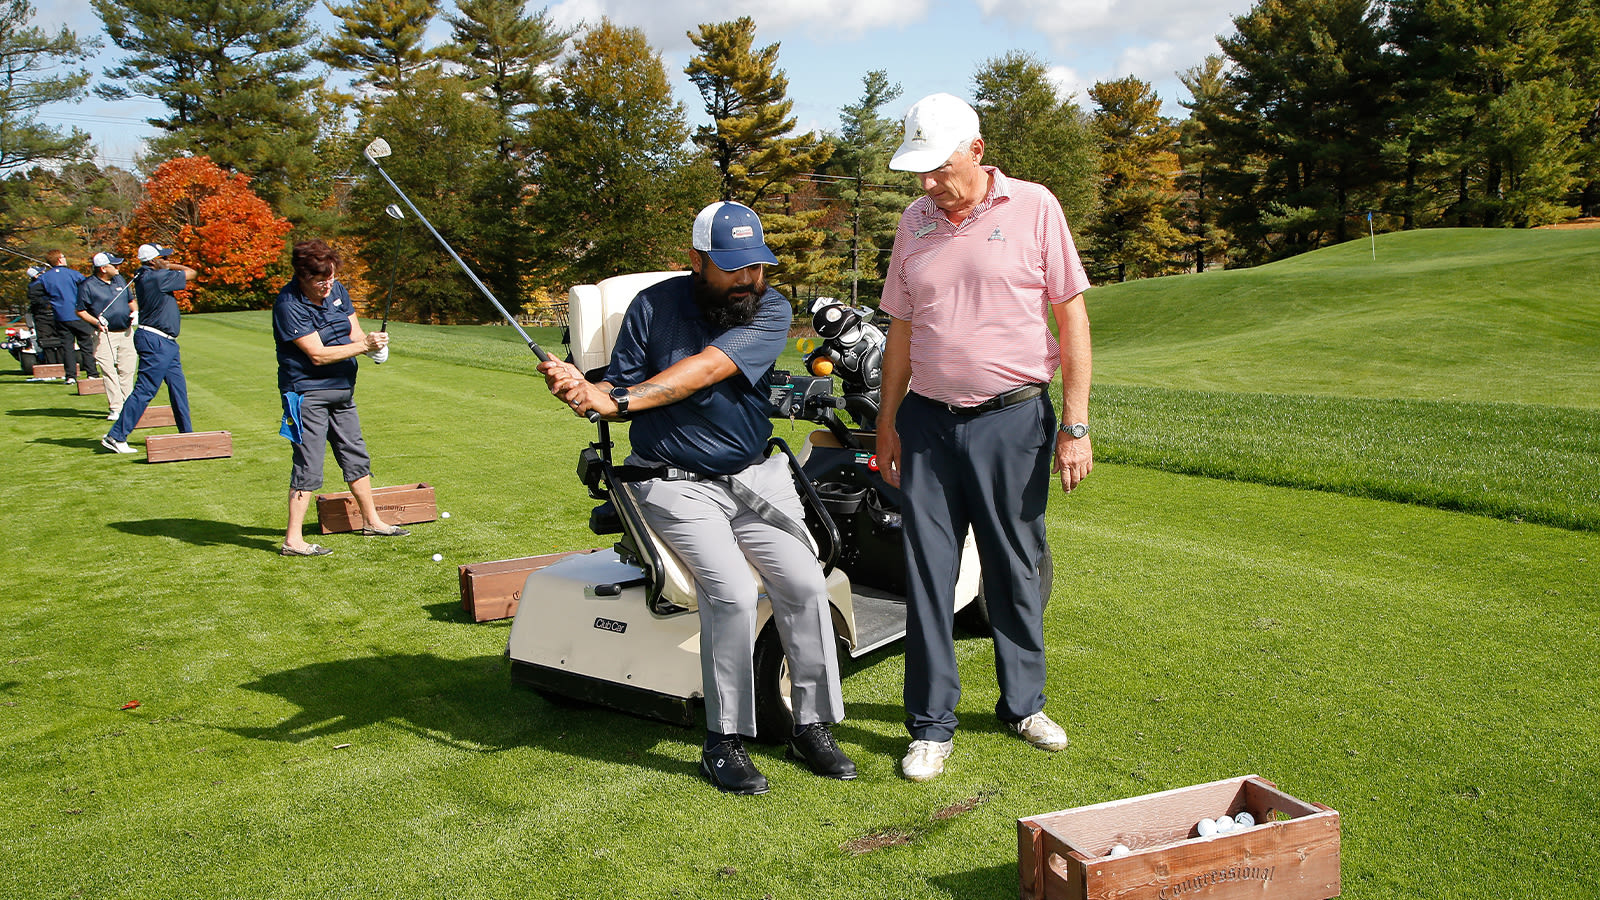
(98,298)
(157,307)
(61,284)
(294,317)
(718,430)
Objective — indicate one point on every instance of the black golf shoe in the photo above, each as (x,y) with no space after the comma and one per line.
(727,765)
(815,747)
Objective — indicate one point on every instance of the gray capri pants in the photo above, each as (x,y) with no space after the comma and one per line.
(328,417)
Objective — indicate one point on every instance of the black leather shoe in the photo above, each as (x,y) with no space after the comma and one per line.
(815,747)
(728,766)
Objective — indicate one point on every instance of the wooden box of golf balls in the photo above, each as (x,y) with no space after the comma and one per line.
(1236,838)
(493,590)
(404,504)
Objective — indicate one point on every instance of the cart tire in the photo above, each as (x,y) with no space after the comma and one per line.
(774,708)
(974,617)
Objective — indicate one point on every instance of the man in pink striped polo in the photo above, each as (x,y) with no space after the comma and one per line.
(967,428)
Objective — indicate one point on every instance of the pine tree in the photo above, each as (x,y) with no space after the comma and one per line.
(381,40)
(1200,161)
(617,187)
(1032,133)
(1134,233)
(872,195)
(229,73)
(745,95)
(29,60)
(503,51)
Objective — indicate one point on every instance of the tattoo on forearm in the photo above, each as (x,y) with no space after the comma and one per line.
(656,394)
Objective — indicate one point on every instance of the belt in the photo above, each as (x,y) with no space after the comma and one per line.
(662,473)
(998,401)
(757,503)
(153,330)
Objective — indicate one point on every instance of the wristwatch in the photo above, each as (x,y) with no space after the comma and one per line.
(1076,429)
(620,396)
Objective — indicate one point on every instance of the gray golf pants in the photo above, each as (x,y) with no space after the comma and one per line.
(719,539)
(989,473)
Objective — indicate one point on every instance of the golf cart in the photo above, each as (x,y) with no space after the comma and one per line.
(618,627)
(22,341)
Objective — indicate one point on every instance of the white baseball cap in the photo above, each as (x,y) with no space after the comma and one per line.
(106,259)
(148,252)
(936,127)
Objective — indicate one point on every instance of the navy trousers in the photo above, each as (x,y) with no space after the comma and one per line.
(158,361)
(989,473)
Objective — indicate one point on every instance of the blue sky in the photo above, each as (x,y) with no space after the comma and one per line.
(826,47)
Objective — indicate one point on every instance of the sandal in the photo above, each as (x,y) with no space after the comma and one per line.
(394,531)
(310,550)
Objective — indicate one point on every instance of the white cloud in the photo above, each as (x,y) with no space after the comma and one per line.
(667,24)
(1074,25)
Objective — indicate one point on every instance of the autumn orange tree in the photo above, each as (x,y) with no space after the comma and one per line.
(217,226)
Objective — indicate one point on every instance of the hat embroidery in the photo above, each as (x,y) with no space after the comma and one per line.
(742,232)
(919,137)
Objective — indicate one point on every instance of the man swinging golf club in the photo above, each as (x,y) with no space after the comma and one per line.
(689,370)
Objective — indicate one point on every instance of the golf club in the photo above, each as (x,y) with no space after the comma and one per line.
(24,256)
(378,149)
(382,356)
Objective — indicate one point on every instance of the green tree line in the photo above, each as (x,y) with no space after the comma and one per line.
(550,156)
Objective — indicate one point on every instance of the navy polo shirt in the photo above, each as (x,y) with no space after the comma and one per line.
(97,298)
(718,430)
(157,307)
(294,317)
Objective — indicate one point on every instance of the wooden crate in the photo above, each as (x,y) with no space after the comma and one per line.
(88,386)
(156,417)
(189,445)
(49,370)
(1292,854)
(491,590)
(399,505)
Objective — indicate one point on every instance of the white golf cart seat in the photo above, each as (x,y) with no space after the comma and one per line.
(594,321)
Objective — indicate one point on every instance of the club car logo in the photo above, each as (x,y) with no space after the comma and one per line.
(611,625)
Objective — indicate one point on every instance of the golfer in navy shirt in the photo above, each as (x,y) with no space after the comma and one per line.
(318,340)
(156,342)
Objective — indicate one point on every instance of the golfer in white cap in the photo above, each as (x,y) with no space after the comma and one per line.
(981,264)
(156,340)
(106,303)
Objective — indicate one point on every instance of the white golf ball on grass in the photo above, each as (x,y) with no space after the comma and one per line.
(438,557)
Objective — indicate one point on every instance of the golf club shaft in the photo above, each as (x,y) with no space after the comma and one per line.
(537,350)
(394,273)
(24,256)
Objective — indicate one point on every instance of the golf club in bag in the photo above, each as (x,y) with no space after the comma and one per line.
(378,149)
(382,354)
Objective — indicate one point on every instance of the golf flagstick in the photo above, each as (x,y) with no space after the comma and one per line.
(378,149)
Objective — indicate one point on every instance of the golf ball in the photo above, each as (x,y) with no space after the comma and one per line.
(444,515)
(1206,827)
(1244,820)
(438,557)
(1224,824)
(1119,850)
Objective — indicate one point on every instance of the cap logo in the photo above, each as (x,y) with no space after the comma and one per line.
(919,137)
(741,232)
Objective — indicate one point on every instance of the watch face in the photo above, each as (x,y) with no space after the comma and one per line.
(1077,430)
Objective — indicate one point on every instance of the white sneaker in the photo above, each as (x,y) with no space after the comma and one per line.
(1040,731)
(925,759)
(116,446)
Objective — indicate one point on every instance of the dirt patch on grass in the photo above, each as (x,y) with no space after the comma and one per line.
(958,808)
(877,840)
(1591,222)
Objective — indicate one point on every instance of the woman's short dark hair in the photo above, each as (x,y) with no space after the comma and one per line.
(314,258)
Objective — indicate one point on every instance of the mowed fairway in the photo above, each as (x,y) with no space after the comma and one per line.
(335,727)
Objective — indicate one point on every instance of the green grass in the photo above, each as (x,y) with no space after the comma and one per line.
(335,727)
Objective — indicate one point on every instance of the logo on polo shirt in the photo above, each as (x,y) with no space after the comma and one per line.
(996,235)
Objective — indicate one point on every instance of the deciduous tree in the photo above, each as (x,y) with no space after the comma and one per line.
(217,224)
(1134,234)
(1031,132)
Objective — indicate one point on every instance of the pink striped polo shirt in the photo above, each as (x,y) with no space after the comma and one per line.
(976,294)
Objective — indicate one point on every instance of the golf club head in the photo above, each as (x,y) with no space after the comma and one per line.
(394,211)
(378,149)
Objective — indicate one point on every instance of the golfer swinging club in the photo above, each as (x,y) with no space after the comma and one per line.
(690,371)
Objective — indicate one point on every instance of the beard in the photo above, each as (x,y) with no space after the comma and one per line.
(723,309)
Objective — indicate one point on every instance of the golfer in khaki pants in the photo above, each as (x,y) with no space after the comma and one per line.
(106,302)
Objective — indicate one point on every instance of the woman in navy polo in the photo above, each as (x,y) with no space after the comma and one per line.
(318,342)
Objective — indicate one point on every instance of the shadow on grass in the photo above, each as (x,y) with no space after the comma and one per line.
(467,704)
(83,443)
(58,413)
(993,881)
(204,532)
